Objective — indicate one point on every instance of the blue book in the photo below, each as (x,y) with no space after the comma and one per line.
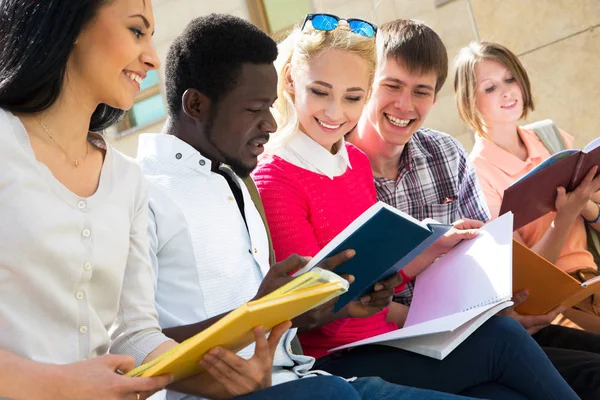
(385,240)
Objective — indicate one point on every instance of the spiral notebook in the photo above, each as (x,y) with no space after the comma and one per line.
(457,294)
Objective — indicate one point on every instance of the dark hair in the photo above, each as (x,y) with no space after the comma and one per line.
(209,54)
(36,38)
(415,46)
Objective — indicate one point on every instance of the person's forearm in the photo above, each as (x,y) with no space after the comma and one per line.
(553,241)
(25,379)
(184,332)
(591,212)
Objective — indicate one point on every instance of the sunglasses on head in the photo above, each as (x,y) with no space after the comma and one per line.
(328,22)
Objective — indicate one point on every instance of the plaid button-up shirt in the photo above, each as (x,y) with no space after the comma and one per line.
(435,180)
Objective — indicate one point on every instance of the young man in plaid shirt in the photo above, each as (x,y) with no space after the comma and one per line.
(420,171)
(427,174)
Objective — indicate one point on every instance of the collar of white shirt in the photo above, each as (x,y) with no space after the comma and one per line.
(168,147)
(304,152)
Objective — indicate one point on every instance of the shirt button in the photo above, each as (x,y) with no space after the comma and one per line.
(87,266)
(255,250)
(81,204)
(178,156)
(83,329)
(79,295)
(86,233)
(230,198)
(202,162)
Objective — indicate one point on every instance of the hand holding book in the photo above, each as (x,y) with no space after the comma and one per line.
(532,323)
(238,376)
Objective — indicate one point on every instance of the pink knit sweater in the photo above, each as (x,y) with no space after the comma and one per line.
(305,210)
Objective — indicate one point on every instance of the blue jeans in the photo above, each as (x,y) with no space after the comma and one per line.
(500,357)
(332,387)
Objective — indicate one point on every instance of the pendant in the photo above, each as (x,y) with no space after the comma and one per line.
(76,163)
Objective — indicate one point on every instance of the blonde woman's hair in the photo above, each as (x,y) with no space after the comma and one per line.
(465,80)
(297,49)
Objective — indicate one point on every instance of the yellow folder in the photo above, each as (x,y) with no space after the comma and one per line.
(234,331)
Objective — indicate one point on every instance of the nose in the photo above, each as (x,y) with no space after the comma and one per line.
(404,102)
(150,57)
(333,111)
(268,124)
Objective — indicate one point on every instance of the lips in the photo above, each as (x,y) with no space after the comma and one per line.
(329,127)
(397,121)
(509,105)
(257,145)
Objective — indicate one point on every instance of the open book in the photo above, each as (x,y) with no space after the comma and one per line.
(548,285)
(457,294)
(234,331)
(385,240)
(566,168)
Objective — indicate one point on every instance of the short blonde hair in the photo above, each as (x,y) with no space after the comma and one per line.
(299,47)
(465,81)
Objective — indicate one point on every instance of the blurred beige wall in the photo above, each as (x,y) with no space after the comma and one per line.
(556,40)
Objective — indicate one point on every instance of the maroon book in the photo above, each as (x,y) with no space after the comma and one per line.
(534,195)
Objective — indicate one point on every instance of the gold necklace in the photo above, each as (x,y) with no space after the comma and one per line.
(75,161)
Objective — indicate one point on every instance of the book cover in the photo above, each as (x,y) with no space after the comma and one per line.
(548,285)
(534,194)
(385,240)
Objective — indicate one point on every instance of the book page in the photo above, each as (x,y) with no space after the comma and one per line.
(475,273)
(553,159)
(592,145)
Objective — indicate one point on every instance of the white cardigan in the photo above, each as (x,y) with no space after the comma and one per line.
(73,271)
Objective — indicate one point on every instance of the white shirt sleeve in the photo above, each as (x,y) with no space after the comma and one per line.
(138,332)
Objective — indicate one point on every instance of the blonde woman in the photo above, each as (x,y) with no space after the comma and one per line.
(313,185)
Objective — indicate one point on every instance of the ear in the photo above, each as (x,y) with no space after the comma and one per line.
(287,76)
(434,98)
(196,105)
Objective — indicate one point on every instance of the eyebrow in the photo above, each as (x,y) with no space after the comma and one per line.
(327,85)
(402,83)
(144,19)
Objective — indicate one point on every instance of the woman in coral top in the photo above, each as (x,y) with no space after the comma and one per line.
(313,185)
(493,94)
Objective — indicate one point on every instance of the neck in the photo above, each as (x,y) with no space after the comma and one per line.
(384,157)
(506,137)
(67,120)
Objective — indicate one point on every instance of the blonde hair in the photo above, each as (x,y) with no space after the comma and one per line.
(299,47)
(465,81)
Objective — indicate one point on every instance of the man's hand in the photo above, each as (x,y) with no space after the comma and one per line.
(238,376)
(376,301)
(97,379)
(279,273)
(463,229)
(533,323)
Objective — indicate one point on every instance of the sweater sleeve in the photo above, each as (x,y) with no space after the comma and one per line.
(287,210)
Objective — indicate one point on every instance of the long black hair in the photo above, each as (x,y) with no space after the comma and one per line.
(36,39)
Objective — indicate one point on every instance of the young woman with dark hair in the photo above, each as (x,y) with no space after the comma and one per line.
(75,273)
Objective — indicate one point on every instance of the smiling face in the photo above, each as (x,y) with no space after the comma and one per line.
(498,95)
(113,53)
(242,120)
(400,102)
(329,94)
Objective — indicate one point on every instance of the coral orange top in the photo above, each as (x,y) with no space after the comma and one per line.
(497,169)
